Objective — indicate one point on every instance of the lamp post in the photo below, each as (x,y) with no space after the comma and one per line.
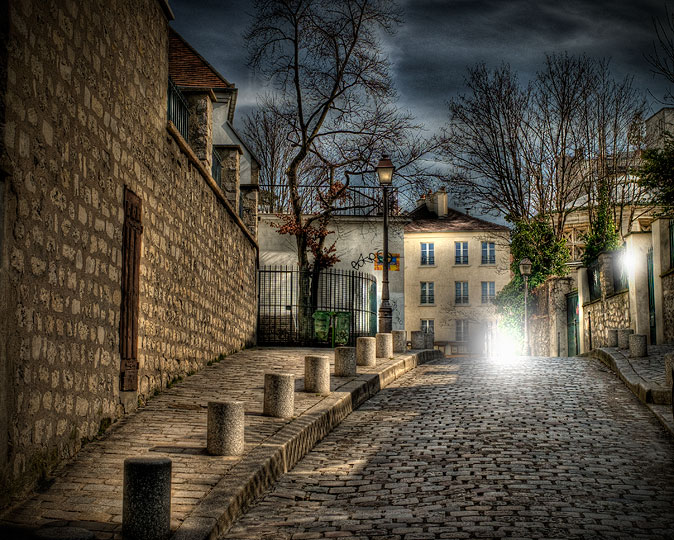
(385,173)
(525,270)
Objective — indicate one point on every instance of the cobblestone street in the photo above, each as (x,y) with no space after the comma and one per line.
(465,448)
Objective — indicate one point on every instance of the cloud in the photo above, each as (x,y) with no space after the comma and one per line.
(441,38)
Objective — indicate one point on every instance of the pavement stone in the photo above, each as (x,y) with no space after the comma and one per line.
(208,492)
(477,448)
(644,376)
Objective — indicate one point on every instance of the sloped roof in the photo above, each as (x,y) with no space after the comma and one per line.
(426,221)
(188,68)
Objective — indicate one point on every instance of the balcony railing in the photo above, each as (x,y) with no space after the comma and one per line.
(358,201)
(178,110)
(216,168)
(594,281)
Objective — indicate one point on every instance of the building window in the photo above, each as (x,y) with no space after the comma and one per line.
(427,253)
(461,330)
(488,292)
(461,288)
(427,325)
(461,249)
(427,292)
(488,253)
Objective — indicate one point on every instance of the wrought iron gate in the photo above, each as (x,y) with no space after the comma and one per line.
(343,304)
(651,296)
(572,323)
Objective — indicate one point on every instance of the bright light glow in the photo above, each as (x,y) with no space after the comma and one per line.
(628,261)
(506,347)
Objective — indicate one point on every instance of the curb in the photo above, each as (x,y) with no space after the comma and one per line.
(261,467)
(646,391)
(656,398)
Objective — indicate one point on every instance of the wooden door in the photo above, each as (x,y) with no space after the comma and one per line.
(128,332)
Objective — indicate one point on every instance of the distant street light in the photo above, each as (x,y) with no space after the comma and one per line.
(525,270)
(385,173)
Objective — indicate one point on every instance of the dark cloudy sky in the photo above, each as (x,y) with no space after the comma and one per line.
(441,38)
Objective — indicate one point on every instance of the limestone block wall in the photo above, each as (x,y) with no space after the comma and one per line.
(612,312)
(668,306)
(547,323)
(84,116)
(539,335)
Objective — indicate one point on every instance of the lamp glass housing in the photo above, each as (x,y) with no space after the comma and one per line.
(385,171)
(525,267)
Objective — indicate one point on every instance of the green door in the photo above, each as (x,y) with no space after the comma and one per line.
(651,296)
(572,323)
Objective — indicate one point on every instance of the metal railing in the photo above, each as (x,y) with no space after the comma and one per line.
(358,200)
(216,168)
(178,110)
(594,281)
(340,308)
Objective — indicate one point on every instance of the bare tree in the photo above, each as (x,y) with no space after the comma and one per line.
(334,104)
(485,141)
(661,58)
(544,149)
(266,131)
(554,138)
(613,139)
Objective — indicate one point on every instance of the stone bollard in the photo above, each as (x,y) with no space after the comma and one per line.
(345,362)
(638,347)
(399,341)
(279,394)
(366,349)
(624,337)
(669,373)
(429,340)
(384,345)
(612,340)
(225,428)
(146,510)
(418,340)
(317,374)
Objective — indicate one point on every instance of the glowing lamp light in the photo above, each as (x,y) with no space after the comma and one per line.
(385,171)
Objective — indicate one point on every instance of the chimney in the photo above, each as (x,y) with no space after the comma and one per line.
(441,203)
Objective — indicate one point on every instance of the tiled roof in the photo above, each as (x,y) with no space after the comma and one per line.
(188,68)
(425,221)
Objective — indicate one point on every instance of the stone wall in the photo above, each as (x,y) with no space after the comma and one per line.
(668,306)
(547,322)
(610,312)
(85,116)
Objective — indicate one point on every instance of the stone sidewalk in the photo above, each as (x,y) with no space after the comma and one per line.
(645,377)
(208,492)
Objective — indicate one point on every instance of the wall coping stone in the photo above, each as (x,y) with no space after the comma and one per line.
(196,162)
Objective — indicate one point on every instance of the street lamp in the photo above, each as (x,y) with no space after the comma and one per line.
(525,270)
(385,173)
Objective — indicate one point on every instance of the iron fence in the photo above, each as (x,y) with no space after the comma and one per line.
(594,281)
(216,167)
(357,200)
(337,310)
(178,110)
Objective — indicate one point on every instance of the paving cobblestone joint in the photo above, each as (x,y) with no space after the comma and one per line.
(644,376)
(87,492)
(475,448)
